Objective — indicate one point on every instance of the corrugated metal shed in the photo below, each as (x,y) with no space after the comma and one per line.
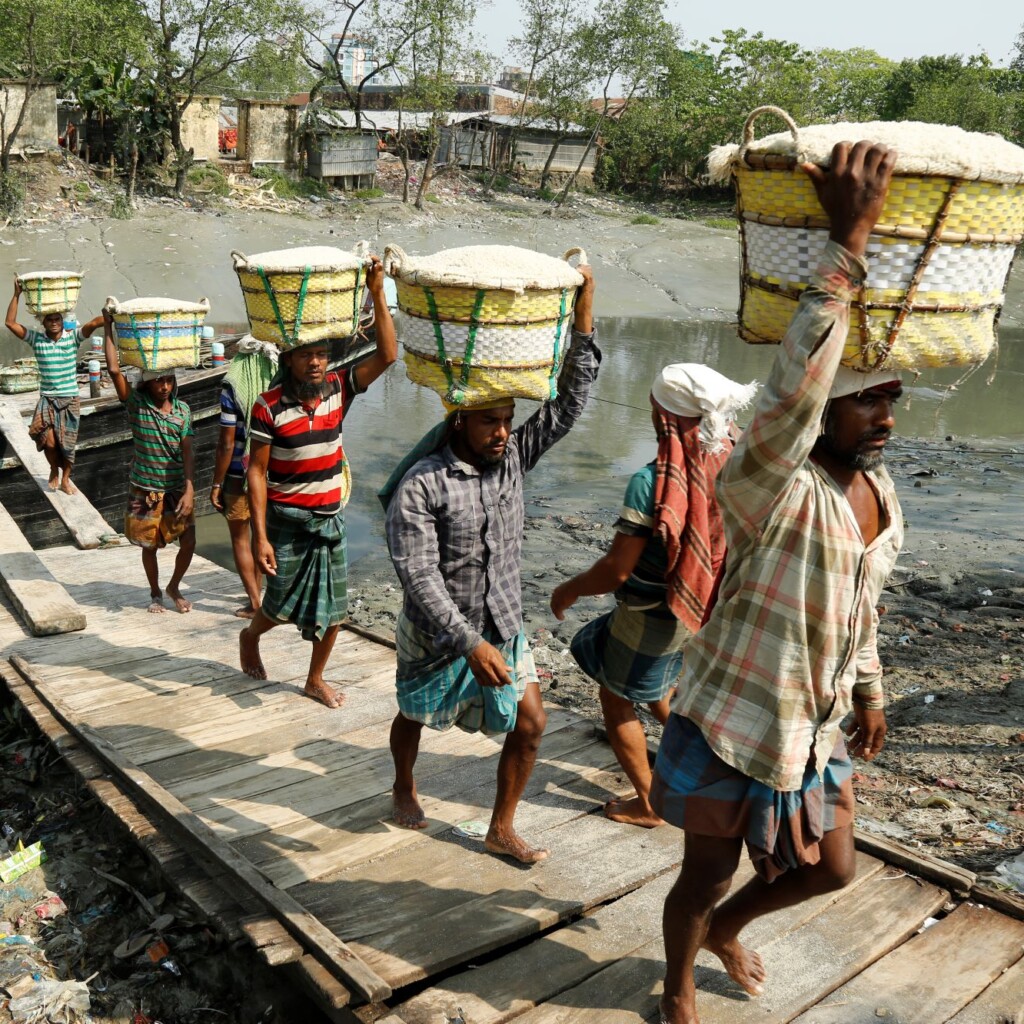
(347,155)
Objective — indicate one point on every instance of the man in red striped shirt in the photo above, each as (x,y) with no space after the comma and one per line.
(299,482)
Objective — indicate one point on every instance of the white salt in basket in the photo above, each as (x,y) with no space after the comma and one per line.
(484,322)
(938,259)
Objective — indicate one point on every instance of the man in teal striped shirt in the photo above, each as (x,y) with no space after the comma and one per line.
(161,496)
(54,426)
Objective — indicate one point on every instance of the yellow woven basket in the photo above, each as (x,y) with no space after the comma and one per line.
(938,258)
(157,333)
(51,291)
(484,322)
(294,297)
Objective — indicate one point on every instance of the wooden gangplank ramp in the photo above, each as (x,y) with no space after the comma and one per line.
(270,813)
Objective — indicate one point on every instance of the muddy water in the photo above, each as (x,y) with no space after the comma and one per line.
(615,437)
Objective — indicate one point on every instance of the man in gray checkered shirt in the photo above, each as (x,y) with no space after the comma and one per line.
(455,531)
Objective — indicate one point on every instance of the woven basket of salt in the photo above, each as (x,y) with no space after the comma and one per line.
(51,291)
(294,297)
(157,333)
(938,258)
(484,322)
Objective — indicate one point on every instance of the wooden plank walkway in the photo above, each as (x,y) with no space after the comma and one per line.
(88,528)
(302,794)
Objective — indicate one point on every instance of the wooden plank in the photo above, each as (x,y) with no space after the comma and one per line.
(953,877)
(1004,900)
(464,790)
(974,943)
(42,602)
(334,953)
(803,964)
(273,944)
(1001,1003)
(479,904)
(502,989)
(88,528)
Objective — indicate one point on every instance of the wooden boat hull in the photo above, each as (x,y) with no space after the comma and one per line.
(105,452)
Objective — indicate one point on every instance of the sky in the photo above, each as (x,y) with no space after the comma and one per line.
(907,28)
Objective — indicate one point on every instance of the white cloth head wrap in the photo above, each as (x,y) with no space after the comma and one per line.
(148,375)
(248,345)
(693,389)
(852,382)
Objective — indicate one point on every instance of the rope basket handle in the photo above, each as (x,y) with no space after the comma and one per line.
(748,129)
(239,258)
(394,257)
(110,305)
(577,250)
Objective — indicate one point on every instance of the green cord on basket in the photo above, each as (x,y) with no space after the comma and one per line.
(138,340)
(474,326)
(273,304)
(439,338)
(355,299)
(301,303)
(556,356)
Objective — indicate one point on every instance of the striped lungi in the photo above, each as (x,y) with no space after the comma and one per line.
(439,689)
(61,415)
(637,655)
(695,790)
(310,589)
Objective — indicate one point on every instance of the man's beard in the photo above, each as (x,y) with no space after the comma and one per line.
(856,458)
(304,391)
(490,461)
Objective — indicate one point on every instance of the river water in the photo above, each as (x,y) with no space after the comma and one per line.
(614,436)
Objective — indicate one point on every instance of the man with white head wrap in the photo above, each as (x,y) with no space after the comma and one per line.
(753,749)
(662,566)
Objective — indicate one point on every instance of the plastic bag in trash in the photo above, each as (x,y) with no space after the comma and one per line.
(51,1000)
(1012,871)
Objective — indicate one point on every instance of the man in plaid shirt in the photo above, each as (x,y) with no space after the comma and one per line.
(753,751)
(455,530)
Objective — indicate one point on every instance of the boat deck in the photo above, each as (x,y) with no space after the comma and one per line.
(232,783)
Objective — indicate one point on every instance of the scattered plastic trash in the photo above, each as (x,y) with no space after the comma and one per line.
(15,940)
(1012,872)
(471,829)
(984,591)
(51,1000)
(23,860)
(53,906)
(935,800)
(995,826)
(929,698)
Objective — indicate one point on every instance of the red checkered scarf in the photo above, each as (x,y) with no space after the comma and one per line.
(686,514)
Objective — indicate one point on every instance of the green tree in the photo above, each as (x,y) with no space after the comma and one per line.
(626,41)
(848,84)
(194,43)
(951,90)
(43,41)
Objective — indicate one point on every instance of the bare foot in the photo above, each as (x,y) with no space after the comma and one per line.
(249,655)
(248,612)
(54,480)
(632,812)
(678,1010)
(180,603)
(509,844)
(67,486)
(325,693)
(156,604)
(406,810)
(743,965)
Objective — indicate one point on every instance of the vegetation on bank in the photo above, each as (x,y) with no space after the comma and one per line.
(662,100)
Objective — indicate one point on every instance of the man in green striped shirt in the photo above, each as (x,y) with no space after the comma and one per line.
(54,426)
(160,482)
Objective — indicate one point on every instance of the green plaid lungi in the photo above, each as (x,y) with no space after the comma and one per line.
(439,690)
(310,589)
(636,654)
